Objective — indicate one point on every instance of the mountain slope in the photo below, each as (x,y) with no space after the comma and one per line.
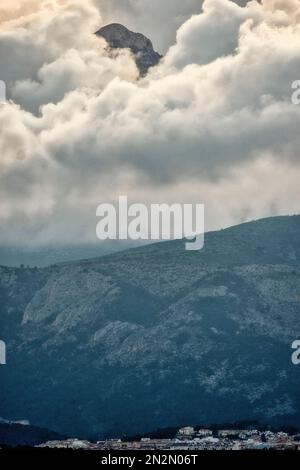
(119,37)
(14,434)
(157,336)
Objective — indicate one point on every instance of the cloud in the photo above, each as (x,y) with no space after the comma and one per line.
(154,18)
(211,124)
(157,19)
(215,33)
(286,10)
(64,54)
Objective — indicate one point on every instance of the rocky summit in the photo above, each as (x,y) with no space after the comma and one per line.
(118,36)
(157,336)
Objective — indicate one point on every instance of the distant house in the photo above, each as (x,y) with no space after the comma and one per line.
(2,353)
(204,433)
(226,433)
(186,432)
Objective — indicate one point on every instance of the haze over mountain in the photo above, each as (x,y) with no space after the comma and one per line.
(42,256)
(157,336)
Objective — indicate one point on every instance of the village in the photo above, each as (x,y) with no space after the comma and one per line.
(188,438)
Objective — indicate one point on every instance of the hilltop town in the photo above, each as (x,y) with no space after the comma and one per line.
(188,438)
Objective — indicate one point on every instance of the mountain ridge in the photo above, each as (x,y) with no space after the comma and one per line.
(156,336)
(118,36)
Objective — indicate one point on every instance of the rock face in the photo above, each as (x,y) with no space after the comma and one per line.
(157,336)
(119,37)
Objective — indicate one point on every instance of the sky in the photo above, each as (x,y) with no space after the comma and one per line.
(213,123)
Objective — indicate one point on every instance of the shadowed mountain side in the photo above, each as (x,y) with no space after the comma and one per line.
(156,336)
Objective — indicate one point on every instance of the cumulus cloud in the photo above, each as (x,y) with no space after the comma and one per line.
(213,123)
(215,33)
(158,19)
(52,51)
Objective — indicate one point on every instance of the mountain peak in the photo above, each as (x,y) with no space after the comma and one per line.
(217,324)
(118,36)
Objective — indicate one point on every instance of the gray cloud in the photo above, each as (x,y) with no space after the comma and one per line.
(214,126)
(155,18)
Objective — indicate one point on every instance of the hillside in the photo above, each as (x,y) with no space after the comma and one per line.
(157,337)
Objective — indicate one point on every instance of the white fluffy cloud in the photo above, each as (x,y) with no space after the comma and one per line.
(53,50)
(213,123)
(155,18)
